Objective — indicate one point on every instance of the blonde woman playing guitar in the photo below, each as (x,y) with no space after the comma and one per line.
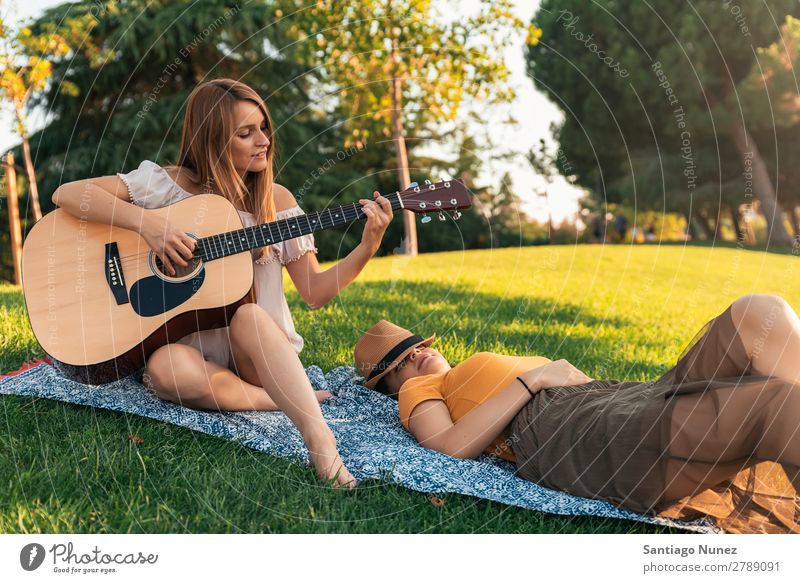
(227,148)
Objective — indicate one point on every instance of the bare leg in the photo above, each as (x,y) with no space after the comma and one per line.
(770,332)
(722,429)
(180,374)
(255,336)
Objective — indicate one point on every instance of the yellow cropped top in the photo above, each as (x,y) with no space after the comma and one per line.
(466,385)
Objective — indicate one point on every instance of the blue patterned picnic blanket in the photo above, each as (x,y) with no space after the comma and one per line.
(371,440)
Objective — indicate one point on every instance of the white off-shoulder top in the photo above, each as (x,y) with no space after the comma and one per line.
(150,186)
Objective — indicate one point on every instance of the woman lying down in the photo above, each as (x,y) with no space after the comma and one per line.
(717,435)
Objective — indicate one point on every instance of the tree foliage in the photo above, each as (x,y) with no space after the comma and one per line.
(652,95)
(130,107)
(443,61)
(393,71)
(112,107)
(26,68)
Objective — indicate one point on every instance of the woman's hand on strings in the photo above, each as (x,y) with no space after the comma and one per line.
(559,373)
(168,242)
(379,215)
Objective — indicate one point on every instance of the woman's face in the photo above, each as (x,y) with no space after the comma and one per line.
(249,144)
(423,360)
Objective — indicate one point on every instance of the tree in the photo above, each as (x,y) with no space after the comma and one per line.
(650,97)
(130,107)
(772,86)
(397,68)
(548,165)
(26,68)
(502,208)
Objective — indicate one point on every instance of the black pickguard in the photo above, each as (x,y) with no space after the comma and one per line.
(152,296)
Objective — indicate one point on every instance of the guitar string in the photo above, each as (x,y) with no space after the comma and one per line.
(353,207)
(253,232)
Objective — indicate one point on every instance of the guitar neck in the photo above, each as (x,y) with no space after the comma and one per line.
(232,242)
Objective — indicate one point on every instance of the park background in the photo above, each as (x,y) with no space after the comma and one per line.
(600,123)
(632,169)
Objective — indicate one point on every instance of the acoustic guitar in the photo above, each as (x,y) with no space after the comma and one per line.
(100,301)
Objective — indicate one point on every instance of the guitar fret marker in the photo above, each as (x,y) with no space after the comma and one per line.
(225,244)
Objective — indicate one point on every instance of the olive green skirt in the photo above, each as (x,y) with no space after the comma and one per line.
(655,446)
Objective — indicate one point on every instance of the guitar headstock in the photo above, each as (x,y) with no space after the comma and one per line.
(447,195)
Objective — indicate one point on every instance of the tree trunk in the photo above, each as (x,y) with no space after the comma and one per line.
(737,227)
(718,224)
(403,176)
(761,182)
(13,216)
(691,231)
(700,224)
(749,232)
(33,190)
(792,216)
(708,224)
(546,197)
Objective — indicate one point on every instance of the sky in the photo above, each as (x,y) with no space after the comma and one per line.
(531,108)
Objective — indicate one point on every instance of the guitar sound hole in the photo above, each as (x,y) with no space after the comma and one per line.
(180,270)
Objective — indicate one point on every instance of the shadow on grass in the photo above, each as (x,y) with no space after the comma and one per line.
(155,486)
(467,321)
(97,479)
(760,248)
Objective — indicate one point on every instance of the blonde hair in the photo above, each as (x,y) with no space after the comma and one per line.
(208,127)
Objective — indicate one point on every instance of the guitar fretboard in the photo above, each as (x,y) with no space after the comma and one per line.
(232,242)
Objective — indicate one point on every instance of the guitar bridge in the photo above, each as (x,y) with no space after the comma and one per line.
(114,275)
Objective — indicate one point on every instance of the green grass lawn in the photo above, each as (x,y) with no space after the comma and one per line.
(614,311)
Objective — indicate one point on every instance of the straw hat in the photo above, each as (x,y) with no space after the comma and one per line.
(382,347)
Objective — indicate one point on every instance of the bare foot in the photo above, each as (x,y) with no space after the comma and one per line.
(323,395)
(329,466)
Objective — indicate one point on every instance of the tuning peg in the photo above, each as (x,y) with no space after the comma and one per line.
(413,185)
(456,215)
(427,182)
(425,219)
(441,216)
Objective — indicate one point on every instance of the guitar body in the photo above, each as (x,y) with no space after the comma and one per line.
(98,302)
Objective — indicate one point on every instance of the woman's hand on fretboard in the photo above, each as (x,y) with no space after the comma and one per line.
(379,215)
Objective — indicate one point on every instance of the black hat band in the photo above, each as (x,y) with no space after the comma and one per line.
(394,353)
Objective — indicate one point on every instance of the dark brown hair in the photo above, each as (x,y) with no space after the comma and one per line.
(381,386)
